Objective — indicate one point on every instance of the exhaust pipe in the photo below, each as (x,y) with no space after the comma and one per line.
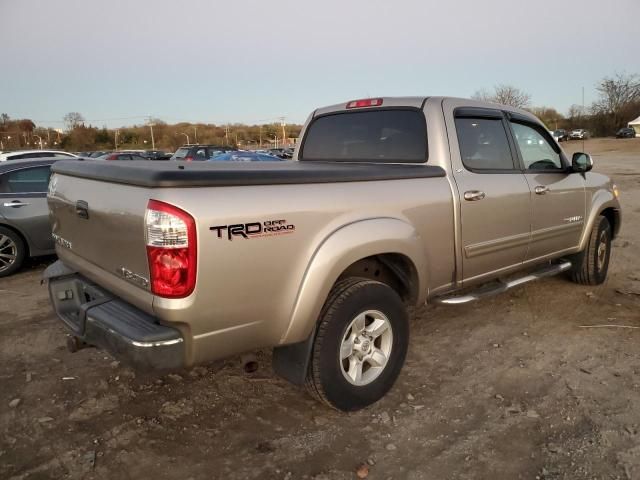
(249,362)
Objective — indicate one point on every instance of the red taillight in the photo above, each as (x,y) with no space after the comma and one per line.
(365,102)
(188,159)
(171,250)
(112,157)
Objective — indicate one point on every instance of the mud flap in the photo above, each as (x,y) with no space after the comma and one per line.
(291,362)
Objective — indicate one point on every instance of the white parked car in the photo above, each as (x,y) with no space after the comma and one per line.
(579,134)
(19,155)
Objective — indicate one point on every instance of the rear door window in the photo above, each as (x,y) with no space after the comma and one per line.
(484,145)
(392,135)
(26,180)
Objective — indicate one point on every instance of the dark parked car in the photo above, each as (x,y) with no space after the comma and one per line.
(24,215)
(245,156)
(561,135)
(193,153)
(156,155)
(122,156)
(626,133)
(285,153)
(98,153)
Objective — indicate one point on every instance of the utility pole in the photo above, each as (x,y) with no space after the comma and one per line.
(153,142)
(195,132)
(226,133)
(284,134)
(260,137)
(116,139)
(583,116)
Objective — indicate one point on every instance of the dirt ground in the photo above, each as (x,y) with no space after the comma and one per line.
(510,387)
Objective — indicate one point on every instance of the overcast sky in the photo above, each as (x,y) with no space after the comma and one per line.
(115,61)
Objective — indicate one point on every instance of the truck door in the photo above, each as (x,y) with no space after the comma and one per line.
(494,197)
(558,200)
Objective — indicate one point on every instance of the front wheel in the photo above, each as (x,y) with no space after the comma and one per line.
(590,267)
(360,345)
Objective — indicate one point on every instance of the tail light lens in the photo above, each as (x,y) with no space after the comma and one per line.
(171,250)
(188,159)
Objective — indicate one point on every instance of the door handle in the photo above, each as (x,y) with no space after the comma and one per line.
(541,189)
(473,195)
(15,204)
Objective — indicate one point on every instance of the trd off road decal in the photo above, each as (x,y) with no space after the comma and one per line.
(268,228)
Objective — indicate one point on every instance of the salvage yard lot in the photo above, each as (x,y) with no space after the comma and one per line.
(509,387)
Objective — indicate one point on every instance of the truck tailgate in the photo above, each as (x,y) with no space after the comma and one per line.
(98,228)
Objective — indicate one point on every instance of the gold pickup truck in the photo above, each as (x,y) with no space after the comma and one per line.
(388,203)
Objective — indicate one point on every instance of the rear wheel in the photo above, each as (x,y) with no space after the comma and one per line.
(360,345)
(591,266)
(12,252)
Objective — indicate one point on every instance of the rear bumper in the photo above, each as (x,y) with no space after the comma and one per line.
(107,322)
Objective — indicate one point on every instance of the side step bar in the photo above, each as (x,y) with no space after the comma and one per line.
(500,287)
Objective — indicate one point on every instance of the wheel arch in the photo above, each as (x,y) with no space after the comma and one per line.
(603,203)
(390,244)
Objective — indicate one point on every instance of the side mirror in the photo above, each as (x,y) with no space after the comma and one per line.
(581,162)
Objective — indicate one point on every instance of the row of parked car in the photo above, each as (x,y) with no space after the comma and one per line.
(194,152)
(562,135)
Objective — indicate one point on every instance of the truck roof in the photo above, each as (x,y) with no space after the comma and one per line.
(418,102)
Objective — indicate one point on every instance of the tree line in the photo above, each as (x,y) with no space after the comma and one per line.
(618,102)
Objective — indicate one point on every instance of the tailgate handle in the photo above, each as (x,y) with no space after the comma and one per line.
(82,209)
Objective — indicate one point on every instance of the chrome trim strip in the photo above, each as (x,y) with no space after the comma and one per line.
(494,245)
(161,343)
(555,231)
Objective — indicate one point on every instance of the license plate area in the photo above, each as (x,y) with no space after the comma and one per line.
(72,297)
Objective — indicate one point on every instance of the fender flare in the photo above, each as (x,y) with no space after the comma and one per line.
(602,200)
(339,250)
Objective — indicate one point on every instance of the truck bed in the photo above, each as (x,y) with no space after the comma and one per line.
(219,174)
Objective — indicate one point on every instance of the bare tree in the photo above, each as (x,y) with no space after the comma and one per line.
(505,95)
(615,94)
(72,120)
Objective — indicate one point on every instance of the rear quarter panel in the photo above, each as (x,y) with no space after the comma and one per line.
(247,289)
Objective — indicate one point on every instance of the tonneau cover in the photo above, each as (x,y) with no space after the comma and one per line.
(156,174)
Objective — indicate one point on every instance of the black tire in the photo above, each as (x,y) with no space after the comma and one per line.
(10,244)
(348,299)
(591,266)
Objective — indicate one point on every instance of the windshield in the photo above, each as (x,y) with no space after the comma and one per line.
(181,153)
(398,135)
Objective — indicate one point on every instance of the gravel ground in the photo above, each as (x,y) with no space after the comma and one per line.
(509,387)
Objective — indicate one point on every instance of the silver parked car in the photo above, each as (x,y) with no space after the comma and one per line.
(24,216)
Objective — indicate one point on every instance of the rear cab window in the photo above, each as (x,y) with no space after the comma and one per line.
(393,135)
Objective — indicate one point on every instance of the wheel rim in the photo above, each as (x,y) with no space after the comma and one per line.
(8,252)
(602,250)
(366,347)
